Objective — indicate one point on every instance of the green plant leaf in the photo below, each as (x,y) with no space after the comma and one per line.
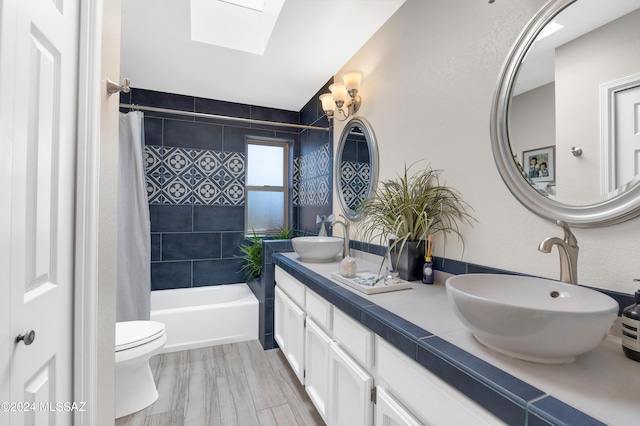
(252,250)
(411,206)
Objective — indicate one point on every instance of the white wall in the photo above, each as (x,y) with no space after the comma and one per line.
(429,78)
(532,120)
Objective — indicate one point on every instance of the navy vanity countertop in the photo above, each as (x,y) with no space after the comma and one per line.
(420,323)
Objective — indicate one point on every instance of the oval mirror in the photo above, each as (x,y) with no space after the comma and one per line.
(356,165)
(565,119)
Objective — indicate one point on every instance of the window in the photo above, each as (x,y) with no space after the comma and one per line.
(267,195)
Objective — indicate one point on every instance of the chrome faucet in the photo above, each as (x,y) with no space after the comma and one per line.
(568,251)
(345,225)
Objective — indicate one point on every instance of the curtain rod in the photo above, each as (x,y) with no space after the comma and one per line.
(221,117)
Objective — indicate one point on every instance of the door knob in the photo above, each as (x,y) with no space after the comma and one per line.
(27,338)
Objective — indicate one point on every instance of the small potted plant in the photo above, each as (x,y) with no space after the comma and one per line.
(404,210)
(252,251)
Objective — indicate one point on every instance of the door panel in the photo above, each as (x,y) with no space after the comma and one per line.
(316,362)
(279,308)
(349,390)
(39,136)
(295,338)
(627,132)
(390,413)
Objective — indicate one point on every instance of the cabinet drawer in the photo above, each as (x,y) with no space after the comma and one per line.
(427,396)
(292,287)
(353,337)
(319,309)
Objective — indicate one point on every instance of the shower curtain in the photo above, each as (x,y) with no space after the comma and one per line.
(134,228)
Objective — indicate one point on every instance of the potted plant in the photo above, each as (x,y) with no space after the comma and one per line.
(404,210)
(252,251)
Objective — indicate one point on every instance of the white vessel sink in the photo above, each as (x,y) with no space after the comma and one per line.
(317,249)
(531,318)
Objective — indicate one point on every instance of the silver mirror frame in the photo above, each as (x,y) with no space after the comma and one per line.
(621,206)
(373,157)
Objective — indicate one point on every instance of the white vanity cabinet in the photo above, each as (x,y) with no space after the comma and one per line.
(350,386)
(340,361)
(289,331)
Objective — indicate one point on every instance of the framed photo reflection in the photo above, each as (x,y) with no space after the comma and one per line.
(540,164)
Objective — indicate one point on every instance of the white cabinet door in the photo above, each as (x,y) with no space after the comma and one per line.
(349,390)
(390,413)
(316,360)
(288,331)
(294,331)
(279,308)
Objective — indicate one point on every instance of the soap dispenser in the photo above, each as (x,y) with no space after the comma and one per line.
(631,329)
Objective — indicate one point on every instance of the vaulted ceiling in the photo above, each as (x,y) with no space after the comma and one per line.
(168,46)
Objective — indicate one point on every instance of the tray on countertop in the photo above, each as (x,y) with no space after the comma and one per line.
(365,281)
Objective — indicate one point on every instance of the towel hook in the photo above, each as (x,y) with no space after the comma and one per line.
(115,87)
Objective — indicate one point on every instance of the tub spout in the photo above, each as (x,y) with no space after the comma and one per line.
(568,252)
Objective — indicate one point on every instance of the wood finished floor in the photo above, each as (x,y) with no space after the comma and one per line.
(235,384)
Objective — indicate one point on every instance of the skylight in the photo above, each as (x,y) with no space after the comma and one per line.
(549,29)
(244,25)
(249,4)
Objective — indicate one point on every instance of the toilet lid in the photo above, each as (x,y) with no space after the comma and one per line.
(130,334)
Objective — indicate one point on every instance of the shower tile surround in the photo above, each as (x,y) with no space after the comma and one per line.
(195,171)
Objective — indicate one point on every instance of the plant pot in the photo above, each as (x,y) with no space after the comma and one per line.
(410,260)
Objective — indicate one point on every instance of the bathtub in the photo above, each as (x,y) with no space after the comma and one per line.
(206,316)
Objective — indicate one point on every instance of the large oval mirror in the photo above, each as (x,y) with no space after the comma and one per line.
(356,166)
(565,120)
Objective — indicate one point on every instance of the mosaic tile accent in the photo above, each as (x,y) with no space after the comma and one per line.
(311,174)
(354,178)
(179,176)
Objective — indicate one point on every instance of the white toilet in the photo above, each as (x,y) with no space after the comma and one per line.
(136,342)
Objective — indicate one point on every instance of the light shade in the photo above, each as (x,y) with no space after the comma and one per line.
(352,80)
(343,101)
(339,92)
(328,104)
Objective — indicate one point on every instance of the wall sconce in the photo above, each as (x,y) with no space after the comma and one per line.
(343,96)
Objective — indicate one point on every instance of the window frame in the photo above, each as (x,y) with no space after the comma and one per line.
(285,145)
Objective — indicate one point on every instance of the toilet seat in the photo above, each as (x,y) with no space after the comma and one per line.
(131,334)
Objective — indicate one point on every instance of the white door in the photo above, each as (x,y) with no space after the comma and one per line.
(349,391)
(390,413)
(316,363)
(38,75)
(627,131)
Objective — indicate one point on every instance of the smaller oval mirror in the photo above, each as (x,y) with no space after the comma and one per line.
(356,166)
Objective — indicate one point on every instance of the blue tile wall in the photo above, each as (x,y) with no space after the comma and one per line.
(312,177)
(353,181)
(313,157)
(194,176)
(355,169)
(195,171)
